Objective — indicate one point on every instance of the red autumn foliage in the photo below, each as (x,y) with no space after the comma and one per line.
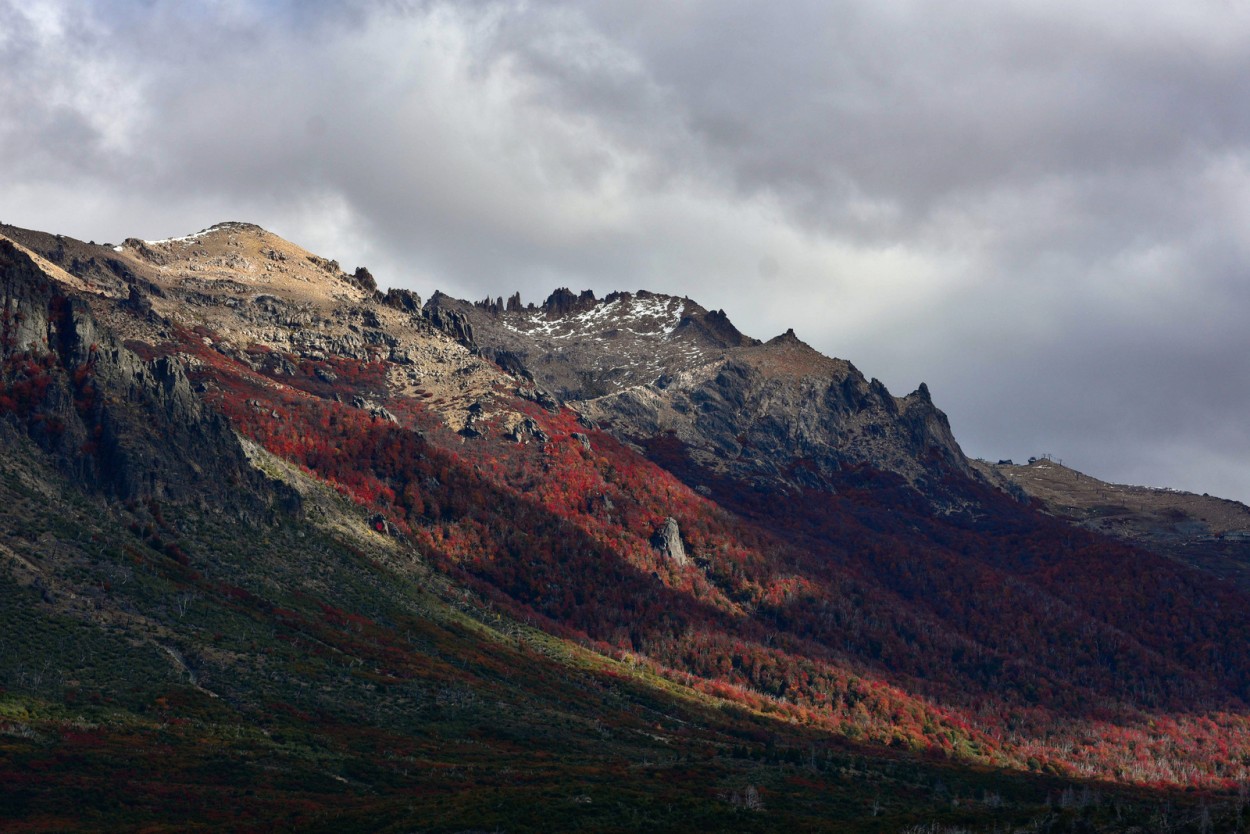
(1010,637)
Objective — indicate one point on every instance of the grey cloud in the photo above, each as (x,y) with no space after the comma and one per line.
(1036,208)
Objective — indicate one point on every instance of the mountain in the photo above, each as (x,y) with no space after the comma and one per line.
(284,551)
(1203,531)
(651,365)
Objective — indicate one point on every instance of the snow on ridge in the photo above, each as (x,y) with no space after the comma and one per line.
(182,239)
(659,307)
(538,325)
(647,317)
(216,227)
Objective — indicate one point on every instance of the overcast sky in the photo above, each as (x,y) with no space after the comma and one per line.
(1040,209)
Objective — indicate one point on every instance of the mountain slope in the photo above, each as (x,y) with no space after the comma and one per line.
(364,501)
(170,662)
(1199,530)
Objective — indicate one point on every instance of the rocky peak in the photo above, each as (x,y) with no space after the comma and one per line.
(787,338)
(237,254)
(563,302)
(451,318)
(405,300)
(223,231)
(234,227)
(715,327)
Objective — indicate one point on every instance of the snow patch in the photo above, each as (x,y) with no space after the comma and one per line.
(201,233)
(655,316)
(183,239)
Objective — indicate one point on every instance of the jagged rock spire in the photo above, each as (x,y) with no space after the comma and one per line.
(667,540)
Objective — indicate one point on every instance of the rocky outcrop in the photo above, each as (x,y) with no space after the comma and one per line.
(539,396)
(781,413)
(527,430)
(714,327)
(510,362)
(563,303)
(405,300)
(579,348)
(374,409)
(453,322)
(667,540)
(146,252)
(137,302)
(131,428)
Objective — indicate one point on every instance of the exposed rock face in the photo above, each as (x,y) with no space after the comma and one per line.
(106,410)
(563,303)
(454,323)
(508,361)
(405,300)
(138,302)
(650,365)
(643,365)
(374,410)
(539,396)
(579,348)
(667,540)
(527,430)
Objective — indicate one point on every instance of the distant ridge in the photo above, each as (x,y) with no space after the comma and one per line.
(1200,530)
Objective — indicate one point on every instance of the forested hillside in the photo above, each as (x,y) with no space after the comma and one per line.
(283,551)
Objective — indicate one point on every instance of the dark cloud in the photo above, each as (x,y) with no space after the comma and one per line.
(1036,208)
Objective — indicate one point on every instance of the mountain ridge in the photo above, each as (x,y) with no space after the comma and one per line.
(619,381)
(756,542)
(1200,530)
(691,372)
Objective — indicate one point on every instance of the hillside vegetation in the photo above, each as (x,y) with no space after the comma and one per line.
(280,551)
